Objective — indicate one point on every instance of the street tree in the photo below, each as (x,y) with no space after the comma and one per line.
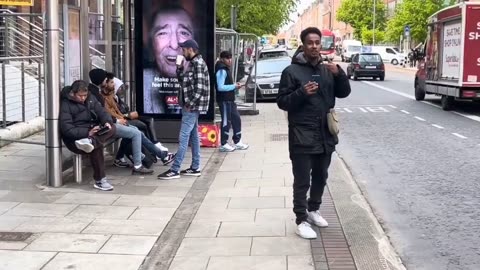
(360,15)
(256,16)
(367,36)
(413,13)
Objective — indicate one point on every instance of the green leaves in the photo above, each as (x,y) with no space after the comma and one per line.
(359,14)
(413,13)
(256,16)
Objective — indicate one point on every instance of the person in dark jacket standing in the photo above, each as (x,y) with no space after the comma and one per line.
(81,116)
(308,89)
(226,102)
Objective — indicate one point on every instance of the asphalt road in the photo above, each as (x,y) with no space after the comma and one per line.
(419,168)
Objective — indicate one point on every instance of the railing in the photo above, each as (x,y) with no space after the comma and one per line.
(21,93)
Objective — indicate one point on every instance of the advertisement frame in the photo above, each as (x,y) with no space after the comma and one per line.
(209,56)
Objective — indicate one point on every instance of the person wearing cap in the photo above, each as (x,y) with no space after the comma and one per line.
(98,78)
(194,96)
(226,102)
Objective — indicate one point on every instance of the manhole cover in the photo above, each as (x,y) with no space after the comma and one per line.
(278,137)
(14,236)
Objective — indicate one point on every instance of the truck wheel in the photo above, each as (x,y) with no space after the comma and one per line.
(447,102)
(419,93)
(343,59)
(355,78)
(382,78)
(394,62)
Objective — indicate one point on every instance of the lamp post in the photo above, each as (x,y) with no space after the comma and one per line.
(374,17)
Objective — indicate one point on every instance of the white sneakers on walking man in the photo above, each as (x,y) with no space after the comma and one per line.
(229,148)
(305,230)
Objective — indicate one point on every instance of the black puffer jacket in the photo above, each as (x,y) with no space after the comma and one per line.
(307,115)
(76,119)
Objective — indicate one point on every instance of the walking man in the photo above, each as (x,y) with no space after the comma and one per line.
(194,96)
(308,99)
(226,102)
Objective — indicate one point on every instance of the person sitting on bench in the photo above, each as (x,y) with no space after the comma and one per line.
(85,127)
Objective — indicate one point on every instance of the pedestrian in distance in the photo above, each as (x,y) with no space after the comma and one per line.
(308,89)
(194,96)
(225,89)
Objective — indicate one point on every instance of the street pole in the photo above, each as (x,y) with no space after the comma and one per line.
(53,147)
(374,18)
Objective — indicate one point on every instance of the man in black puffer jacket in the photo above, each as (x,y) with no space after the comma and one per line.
(81,116)
(307,91)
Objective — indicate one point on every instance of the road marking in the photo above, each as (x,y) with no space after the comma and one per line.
(391,106)
(419,118)
(405,112)
(459,135)
(437,126)
(466,115)
(367,109)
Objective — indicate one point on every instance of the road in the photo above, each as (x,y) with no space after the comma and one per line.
(418,166)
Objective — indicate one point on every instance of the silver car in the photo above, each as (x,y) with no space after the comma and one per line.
(267,81)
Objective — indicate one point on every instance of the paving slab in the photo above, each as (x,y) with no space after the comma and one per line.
(203,228)
(41,210)
(153,213)
(53,224)
(81,261)
(68,242)
(25,260)
(246,229)
(271,246)
(88,198)
(215,247)
(102,211)
(248,263)
(129,244)
(189,263)
(126,227)
(256,202)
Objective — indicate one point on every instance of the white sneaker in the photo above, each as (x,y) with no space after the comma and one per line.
(160,146)
(85,145)
(227,148)
(241,146)
(305,231)
(315,218)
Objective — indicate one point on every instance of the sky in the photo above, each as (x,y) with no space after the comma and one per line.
(304,4)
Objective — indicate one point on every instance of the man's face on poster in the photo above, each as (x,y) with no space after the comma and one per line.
(170,29)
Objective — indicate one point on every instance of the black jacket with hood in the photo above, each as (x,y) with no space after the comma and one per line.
(76,119)
(307,115)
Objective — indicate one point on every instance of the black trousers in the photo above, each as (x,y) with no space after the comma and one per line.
(308,168)
(230,119)
(96,156)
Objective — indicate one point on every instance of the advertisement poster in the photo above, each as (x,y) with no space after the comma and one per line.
(471,63)
(74,64)
(165,24)
(16,2)
(452,46)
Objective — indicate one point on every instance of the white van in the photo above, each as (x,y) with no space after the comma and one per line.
(349,48)
(389,54)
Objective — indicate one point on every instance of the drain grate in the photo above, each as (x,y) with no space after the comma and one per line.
(278,137)
(14,236)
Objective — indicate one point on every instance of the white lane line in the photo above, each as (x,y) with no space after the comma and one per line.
(405,112)
(438,126)
(466,115)
(391,106)
(419,118)
(459,135)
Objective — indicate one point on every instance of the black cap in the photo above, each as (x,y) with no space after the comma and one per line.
(97,76)
(189,44)
(226,55)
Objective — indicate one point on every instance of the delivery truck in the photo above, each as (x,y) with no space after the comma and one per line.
(449,64)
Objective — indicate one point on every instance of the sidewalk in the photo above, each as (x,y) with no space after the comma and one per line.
(237,215)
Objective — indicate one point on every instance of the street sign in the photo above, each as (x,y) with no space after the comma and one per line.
(407,30)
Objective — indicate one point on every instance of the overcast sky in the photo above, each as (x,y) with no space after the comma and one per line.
(304,4)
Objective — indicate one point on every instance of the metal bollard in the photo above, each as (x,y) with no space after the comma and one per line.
(77,168)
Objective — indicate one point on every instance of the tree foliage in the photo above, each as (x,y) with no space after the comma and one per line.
(359,15)
(256,16)
(367,36)
(413,13)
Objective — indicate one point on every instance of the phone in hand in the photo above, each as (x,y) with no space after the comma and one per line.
(103,130)
(316,78)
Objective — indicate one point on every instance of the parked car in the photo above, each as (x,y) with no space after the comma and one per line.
(366,65)
(272,53)
(267,79)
